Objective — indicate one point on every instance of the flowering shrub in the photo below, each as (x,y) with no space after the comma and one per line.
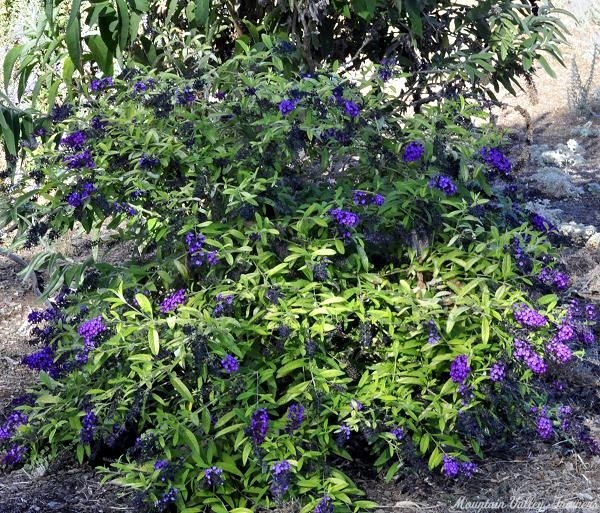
(301,292)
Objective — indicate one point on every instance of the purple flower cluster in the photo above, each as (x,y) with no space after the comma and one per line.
(560,351)
(544,427)
(345,220)
(413,151)
(169,497)
(351,109)
(286,106)
(551,277)
(14,454)
(97,123)
(364,199)
(452,468)
(149,162)
(541,224)
(128,209)
(529,318)
(259,425)
(295,417)
(521,256)
(61,112)
(343,435)
(325,505)
(398,432)
(88,427)
(197,255)
(78,197)
(434,335)
(224,303)
(91,328)
(524,352)
(459,369)
(494,158)
(386,69)
(213,477)
(12,422)
(498,372)
(100,84)
(42,360)
(444,184)
(80,160)
(172,301)
(187,96)
(143,85)
(230,364)
(161,464)
(280,478)
(74,140)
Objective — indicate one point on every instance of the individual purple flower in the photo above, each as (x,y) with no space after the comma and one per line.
(14,454)
(450,467)
(413,151)
(325,505)
(259,425)
(351,109)
(386,69)
(529,318)
(280,478)
(498,372)
(459,369)
(444,184)
(295,417)
(74,140)
(80,160)
(213,477)
(230,364)
(220,95)
(286,106)
(398,432)
(544,427)
(495,159)
(172,301)
(88,427)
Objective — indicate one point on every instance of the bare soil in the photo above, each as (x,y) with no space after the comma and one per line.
(524,477)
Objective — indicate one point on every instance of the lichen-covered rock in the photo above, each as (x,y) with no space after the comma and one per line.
(554,182)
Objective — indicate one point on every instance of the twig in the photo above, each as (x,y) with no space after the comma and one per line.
(23,263)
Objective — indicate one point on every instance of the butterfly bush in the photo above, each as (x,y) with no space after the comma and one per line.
(310,280)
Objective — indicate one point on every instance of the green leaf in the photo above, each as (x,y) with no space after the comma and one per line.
(144,304)
(485,330)
(123,13)
(201,13)
(73,34)
(153,340)
(102,55)
(9,62)
(9,136)
(180,386)
(289,367)
(192,442)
